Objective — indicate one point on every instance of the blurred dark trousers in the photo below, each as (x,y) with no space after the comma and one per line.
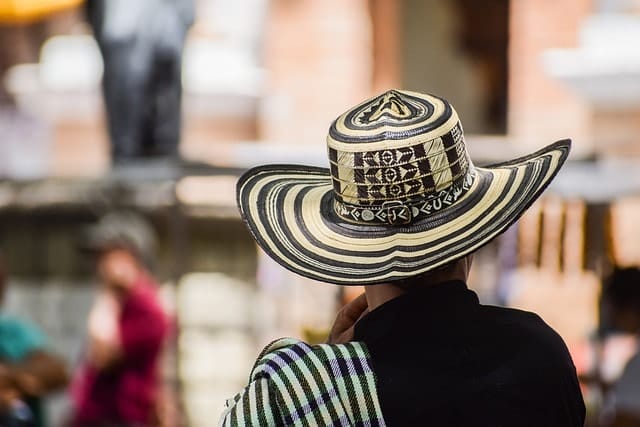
(142,93)
(17,417)
(141,43)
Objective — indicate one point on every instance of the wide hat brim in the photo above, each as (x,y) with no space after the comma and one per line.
(289,211)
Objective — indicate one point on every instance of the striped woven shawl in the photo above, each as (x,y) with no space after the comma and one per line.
(293,383)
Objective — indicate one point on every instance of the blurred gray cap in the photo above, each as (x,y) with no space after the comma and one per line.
(123,229)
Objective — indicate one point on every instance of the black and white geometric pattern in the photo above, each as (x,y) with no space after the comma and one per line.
(375,186)
(400,212)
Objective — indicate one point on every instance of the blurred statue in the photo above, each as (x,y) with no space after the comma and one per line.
(119,382)
(141,43)
(28,370)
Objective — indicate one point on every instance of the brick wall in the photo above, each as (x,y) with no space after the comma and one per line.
(318,56)
(541,109)
(616,132)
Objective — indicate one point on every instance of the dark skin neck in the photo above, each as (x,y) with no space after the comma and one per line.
(379,294)
(376,295)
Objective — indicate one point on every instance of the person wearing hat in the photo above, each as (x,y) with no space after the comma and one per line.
(119,383)
(620,312)
(401,210)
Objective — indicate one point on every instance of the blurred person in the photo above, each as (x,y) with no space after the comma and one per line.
(14,412)
(621,309)
(28,370)
(119,384)
(401,211)
(141,44)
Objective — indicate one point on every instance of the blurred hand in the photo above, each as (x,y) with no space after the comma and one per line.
(104,334)
(28,384)
(40,372)
(347,317)
(103,318)
(8,390)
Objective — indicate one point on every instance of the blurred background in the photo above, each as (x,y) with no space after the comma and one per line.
(259,82)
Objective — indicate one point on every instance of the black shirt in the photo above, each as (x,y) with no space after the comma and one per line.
(443,359)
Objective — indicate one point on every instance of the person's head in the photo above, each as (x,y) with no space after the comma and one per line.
(123,243)
(401,197)
(620,300)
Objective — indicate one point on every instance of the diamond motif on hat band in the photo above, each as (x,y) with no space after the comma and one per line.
(399,212)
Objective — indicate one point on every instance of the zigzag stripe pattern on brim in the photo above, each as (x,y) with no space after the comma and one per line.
(290,212)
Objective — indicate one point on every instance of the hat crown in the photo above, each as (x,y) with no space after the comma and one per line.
(396,157)
(386,108)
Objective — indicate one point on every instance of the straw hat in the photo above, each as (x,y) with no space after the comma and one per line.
(401,196)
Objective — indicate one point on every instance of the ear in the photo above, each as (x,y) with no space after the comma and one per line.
(469,260)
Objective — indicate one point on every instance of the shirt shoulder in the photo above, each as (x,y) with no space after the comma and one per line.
(530,331)
(18,338)
(145,298)
(526,321)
